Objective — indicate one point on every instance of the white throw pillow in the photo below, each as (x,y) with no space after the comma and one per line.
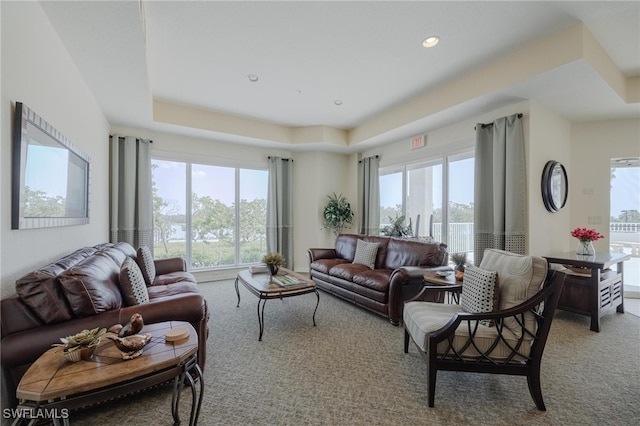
(479,291)
(366,253)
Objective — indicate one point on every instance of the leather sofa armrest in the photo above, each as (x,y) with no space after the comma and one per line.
(170,264)
(321,253)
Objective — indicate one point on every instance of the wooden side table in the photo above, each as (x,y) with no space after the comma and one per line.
(598,291)
(432,278)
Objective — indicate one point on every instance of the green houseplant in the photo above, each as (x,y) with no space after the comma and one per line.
(397,228)
(337,213)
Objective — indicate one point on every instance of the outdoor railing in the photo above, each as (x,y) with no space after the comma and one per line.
(460,236)
(625,227)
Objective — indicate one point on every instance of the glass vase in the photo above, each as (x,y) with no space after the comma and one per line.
(585,248)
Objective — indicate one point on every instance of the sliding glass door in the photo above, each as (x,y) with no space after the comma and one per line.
(435,196)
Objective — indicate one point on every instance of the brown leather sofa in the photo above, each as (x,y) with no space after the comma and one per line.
(82,291)
(396,276)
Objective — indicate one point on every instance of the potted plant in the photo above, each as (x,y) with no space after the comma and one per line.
(397,228)
(273,261)
(81,345)
(459,261)
(337,213)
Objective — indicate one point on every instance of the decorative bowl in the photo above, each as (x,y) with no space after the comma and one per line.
(443,273)
(79,352)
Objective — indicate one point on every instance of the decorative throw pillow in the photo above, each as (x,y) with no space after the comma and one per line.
(132,285)
(479,291)
(366,253)
(145,262)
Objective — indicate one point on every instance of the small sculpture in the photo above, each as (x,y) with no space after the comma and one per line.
(134,326)
(130,346)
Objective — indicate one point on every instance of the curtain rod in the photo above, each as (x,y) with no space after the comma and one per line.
(122,137)
(283,159)
(375,156)
(482,126)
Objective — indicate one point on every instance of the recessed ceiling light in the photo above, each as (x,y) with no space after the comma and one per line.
(337,102)
(431,41)
(253,77)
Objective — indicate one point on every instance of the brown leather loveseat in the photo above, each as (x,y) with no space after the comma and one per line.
(382,287)
(82,291)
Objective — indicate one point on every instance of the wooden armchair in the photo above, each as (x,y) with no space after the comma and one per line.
(510,340)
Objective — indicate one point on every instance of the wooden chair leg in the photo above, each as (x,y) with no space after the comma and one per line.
(431,385)
(406,341)
(533,380)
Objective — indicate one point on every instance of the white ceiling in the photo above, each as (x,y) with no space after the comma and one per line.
(308,54)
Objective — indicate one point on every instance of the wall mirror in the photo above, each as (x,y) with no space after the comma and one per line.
(555,186)
(50,176)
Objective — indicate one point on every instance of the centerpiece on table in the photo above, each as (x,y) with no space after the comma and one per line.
(586,237)
(273,261)
(459,260)
(81,345)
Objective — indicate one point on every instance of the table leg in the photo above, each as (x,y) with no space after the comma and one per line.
(594,299)
(316,309)
(190,367)
(261,317)
(238,293)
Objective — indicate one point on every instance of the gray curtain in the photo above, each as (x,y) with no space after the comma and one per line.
(131,217)
(369,195)
(500,187)
(280,209)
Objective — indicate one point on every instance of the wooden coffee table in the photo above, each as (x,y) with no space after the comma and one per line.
(264,288)
(53,385)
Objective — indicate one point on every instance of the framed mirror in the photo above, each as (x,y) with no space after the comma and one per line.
(554,186)
(50,176)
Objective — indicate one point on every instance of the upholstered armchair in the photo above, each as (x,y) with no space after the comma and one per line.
(500,326)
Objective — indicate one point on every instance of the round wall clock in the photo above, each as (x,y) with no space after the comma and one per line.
(554,185)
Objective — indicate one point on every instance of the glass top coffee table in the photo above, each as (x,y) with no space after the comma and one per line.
(264,287)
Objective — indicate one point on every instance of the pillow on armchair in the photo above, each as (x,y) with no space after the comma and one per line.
(480,292)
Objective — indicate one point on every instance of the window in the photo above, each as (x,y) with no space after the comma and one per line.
(436,196)
(213,216)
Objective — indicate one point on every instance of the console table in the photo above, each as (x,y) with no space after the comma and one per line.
(597,291)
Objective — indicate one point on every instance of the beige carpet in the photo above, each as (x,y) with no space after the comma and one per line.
(351,370)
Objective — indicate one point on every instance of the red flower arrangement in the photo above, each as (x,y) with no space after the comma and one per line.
(584,234)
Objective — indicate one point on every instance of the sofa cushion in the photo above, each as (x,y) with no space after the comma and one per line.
(377,279)
(132,285)
(480,291)
(91,286)
(40,290)
(346,246)
(347,271)
(174,277)
(145,261)
(114,253)
(406,252)
(366,253)
(325,265)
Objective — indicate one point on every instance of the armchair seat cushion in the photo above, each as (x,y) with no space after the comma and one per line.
(421,318)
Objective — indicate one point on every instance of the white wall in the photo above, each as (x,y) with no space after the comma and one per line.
(549,139)
(317,175)
(37,70)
